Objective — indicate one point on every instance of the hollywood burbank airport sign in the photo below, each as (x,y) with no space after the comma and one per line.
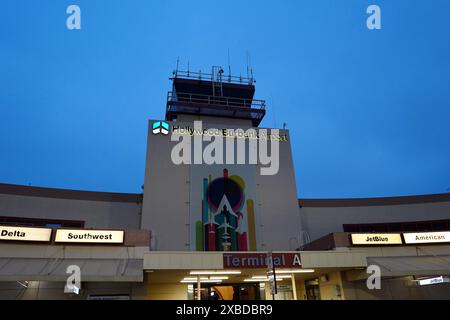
(261,260)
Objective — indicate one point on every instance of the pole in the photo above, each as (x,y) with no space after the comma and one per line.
(294,288)
(199,296)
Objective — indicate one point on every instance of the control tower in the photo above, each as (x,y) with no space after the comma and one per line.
(214,94)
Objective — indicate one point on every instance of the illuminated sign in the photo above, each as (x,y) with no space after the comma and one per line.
(25,234)
(89,236)
(229,133)
(436,280)
(161,127)
(375,239)
(427,237)
(261,260)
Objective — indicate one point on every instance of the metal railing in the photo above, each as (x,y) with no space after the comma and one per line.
(215,100)
(211,77)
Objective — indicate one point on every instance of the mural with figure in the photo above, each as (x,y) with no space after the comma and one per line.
(223,215)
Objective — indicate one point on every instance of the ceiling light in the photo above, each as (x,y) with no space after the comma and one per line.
(295,271)
(201,281)
(283,276)
(256,280)
(194,279)
(214,272)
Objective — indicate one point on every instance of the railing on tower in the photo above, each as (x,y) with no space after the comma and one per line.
(215,100)
(214,95)
(226,78)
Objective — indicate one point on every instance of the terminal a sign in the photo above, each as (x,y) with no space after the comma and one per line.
(261,260)
(427,237)
(25,234)
(376,239)
(89,236)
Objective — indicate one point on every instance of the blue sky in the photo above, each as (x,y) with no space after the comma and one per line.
(368,111)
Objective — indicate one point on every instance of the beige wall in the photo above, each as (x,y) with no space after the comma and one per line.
(96,214)
(331,288)
(167,291)
(301,290)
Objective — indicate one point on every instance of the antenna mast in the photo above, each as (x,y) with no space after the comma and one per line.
(248,74)
(178,63)
(229,66)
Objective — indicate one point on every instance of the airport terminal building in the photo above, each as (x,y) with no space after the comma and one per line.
(226,229)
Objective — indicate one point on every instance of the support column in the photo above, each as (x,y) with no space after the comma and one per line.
(199,295)
(294,287)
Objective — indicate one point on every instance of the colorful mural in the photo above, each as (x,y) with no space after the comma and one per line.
(224,216)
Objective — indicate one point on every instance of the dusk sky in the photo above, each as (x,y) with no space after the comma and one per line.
(368,110)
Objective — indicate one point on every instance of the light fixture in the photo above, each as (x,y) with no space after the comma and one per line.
(281,276)
(24,284)
(256,280)
(194,279)
(201,281)
(218,278)
(214,272)
(266,279)
(295,271)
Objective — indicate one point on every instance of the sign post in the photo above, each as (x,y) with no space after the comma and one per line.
(271,275)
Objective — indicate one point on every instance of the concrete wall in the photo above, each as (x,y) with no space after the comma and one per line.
(165,209)
(96,214)
(166,206)
(320,221)
(278,204)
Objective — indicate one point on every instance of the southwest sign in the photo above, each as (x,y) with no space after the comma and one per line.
(25,234)
(89,236)
(427,237)
(261,260)
(376,239)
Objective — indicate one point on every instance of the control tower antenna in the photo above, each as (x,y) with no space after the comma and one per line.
(251,68)
(229,66)
(248,73)
(178,64)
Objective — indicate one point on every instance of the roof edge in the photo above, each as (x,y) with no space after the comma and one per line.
(29,191)
(377,201)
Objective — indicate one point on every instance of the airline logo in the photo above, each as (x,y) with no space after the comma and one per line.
(427,237)
(25,234)
(375,239)
(161,127)
(89,236)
